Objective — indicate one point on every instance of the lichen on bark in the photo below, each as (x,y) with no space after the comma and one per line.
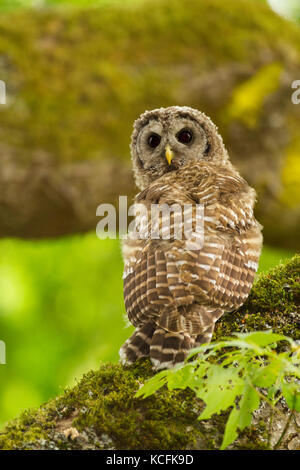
(101,411)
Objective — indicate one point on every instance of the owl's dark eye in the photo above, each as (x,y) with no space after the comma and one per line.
(185,136)
(154,140)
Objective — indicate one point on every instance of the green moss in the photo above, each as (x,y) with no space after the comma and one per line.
(290,195)
(273,303)
(248,98)
(96,69)
(103,410)
(32,426)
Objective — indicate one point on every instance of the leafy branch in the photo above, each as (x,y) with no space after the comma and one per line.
(239,374)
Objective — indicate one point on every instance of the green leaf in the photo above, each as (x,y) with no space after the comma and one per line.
(152,385)
(249,402)
(228,379)
(222,386)
(181,378)
(272,392)
(240,417)
(262,338)
(230,433)
(291,393)
(267,376)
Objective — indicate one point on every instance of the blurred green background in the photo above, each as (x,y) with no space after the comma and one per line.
(61,302)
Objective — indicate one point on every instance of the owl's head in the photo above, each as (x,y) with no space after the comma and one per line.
(166,139)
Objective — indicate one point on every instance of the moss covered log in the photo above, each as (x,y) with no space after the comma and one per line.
(101,412)
(77,78)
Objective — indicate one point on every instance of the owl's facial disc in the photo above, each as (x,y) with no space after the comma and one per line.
(168,143)
(166,139)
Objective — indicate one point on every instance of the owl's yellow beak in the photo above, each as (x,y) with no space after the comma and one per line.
(169,154)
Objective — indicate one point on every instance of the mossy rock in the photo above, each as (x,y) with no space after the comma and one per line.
(101,411)
(78,78)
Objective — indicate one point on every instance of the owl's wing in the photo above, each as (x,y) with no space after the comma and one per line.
(222,271)
(166,278)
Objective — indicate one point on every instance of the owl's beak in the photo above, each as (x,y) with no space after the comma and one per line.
(169,154)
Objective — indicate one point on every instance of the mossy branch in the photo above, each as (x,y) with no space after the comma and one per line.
(101,411)
(66,129)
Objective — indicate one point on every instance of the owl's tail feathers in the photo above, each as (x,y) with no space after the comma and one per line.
(138,345)
(168,349)
(204,337)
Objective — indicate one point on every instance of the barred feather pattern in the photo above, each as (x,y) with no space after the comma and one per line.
(174,295)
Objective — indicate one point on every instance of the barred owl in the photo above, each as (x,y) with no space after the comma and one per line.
(175,292)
